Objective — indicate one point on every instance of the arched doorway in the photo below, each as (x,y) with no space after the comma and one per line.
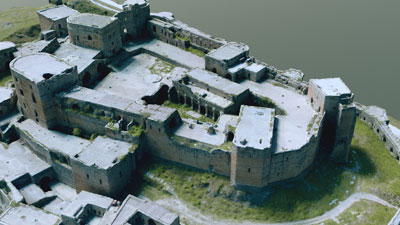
(228,76)
(151,222)
(230,136)
(86,79)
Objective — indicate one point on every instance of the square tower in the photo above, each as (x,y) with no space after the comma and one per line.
(95,31)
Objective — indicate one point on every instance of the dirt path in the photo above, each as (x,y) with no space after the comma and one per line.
(103,6)
(198,218)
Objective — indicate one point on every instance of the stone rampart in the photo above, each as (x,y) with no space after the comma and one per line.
(377,119)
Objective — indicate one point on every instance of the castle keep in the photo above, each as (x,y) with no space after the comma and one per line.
(142,83)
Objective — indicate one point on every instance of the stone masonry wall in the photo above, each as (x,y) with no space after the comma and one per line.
(108,39)
(161,145)
(381,128)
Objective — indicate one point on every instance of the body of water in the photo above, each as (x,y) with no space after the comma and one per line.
(356,40)
(6,4)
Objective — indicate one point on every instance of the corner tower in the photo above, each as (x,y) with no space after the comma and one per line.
(37,79)
(251,149)
(133,18)
(95,31)
(334,98)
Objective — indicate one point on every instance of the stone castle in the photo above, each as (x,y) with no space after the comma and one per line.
(142,83)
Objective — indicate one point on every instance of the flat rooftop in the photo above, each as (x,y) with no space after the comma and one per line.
(214,81)
(31,66)
(6,45)
(210,97)
(58,12)
(154,112)
(132,205)
(76,55)
(291,129)
(228,51)
(90,20)
(18,160)
(332,86)
(23,214)
(86,198)
(141,75)
(103,152)
(178,56)
(5,94)
(377,112)
(255,127)
(63,143)
(134,2)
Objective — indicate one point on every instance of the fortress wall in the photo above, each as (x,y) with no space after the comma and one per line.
(187,36)
(163,33)
(160,145)
(381,128)
(102,181)
(9,105)
(290,164)
(63,172)
(45,24)
(36,100)
(250,167)
(87,124)
(215,66)
(344,132)
(133,20)
(107,39)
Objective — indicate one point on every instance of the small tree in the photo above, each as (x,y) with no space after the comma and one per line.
(76,132)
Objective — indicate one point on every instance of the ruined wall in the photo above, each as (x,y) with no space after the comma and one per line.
(181,35)
(6,56)
(133,20)
(9,105)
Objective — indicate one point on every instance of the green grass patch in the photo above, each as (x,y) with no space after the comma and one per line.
(183,112)
(119,1)
(370,169)
(18,20)
(136,130)
(5,78)
(365,212)
(383,178)
(84,6)
(161,67)
(181,37)
(196,52)
(213,195)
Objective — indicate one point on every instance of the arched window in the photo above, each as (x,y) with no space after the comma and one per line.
(89,37)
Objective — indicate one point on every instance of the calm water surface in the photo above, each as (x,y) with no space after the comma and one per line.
(357,40)
(6,4)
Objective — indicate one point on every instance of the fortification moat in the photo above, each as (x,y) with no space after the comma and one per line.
(97,94)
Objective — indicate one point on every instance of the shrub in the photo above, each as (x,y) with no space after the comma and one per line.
(76,132)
